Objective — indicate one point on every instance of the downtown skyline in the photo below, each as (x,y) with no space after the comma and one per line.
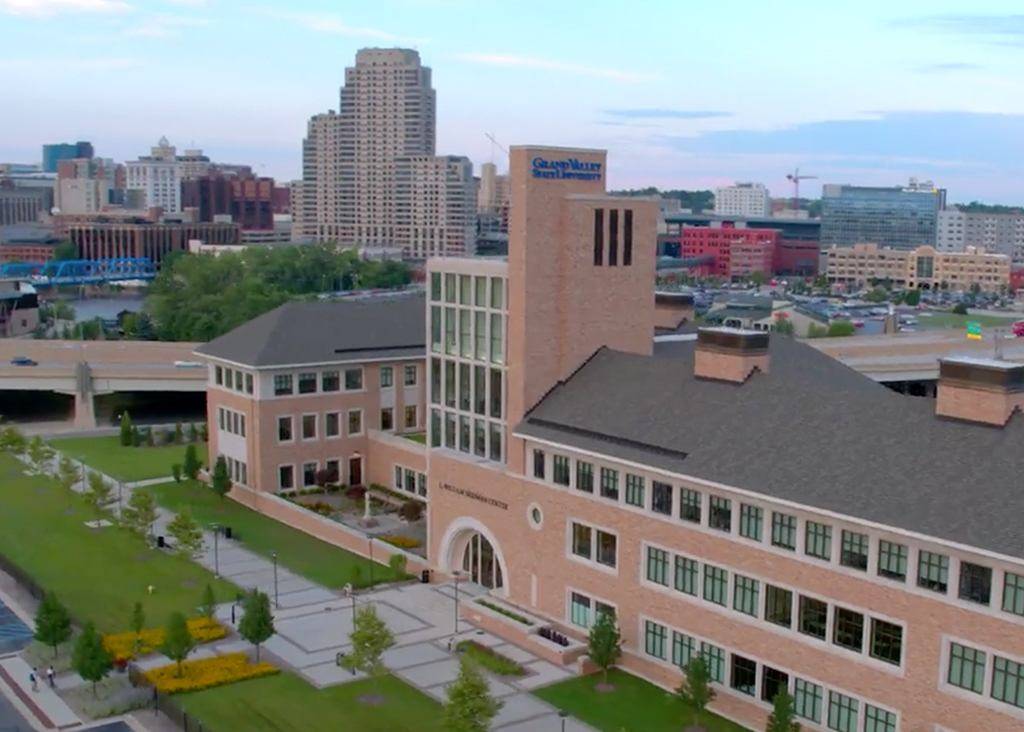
(870,95)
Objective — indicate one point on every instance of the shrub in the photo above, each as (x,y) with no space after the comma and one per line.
(504,611)
(176,472)
(411,511)
(397,563)
(356,493)
(205,673)
(320,507)
(402,542)
(122,645)
(960,309)
(490,659)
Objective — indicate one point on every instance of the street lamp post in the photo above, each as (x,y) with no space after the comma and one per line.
(350,592)
(562,714)
(457,575)
(273,555)
(216,553)
(371,560)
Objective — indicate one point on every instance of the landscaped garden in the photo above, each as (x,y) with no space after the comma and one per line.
(127,463)
(315,560)
(98,573)
(285,702)
(634,705)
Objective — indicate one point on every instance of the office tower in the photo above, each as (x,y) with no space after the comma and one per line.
(54,153)
(158,177)
(743,199)
(435,206)
(901,217)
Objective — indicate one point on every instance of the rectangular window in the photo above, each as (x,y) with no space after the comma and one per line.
(579,610)
(598,237)
(807,700)
(497,293)
(975,583)
(655,635)
(387,419)
(610,484)
(479,390)
(410,373)
(248,388)
(933,571)
(387,376)
(480,335)
(584,476)
(229,378)
(218,375)
(410,481)
(495,443)
(751,518)
(479,438)
(613,237)
(966,668)
(714,657)
(449,383)
(716,584)
(849,629)
(449,430)
(720,513)
(886,641)
(745,594)
(465,396)
(606,548)
(282,384)
(355,421)
(842,712)
(480,285)
(661,497)
(332,424)
(778,606)
(466,333)
(1013,593)
(1008,681)
(308,426)
(538,464)
(398,477)
(855,550)
(683,648)
(284,429)
(892,560)
(435,428)
(878,720)
(635,490)
(308,475)
(451,338)
(435,329)
(784,531)
(657,565)
(582,540)
(813,617)
(286,477)
(464,441)
(689,505)
(497,344)
(330,381)
(686,575)
(496,393)
(307,383)
(353,379)
(560,469)
(818,540)
(412,417)
(449,287)
(435,381)
(743,677)
(773,681)
(435,285)
(465,289)
(627,239)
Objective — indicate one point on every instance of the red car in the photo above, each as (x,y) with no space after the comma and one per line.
(1018,329)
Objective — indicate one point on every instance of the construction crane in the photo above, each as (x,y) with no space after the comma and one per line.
(495,144)
(795,178)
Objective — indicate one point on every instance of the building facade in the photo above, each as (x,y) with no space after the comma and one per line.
(897,217)
(743,199)
(54,153)
(434,206)
(157,178)
(729,252)
(141,238)
(924,268)
(999,233)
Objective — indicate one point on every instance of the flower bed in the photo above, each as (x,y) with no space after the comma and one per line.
(490,659)
(402,542)
(123,645)
(205,673)
(511,614)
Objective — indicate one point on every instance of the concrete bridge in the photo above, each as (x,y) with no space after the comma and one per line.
(86,369)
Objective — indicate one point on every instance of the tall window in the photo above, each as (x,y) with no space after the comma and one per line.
(353,379)
(813,617)
(635,490)
(465,333)
(387,419)
(435,329)
(975,583)
(720,513)
(783,530)
(1008,681)
(451,339)
(610,483)
(855,550)
(773,681)
(933,571)
(751,518)
(606,548)
(613,237)
(627,238)
(778,606)
(818,540)
(330,381)
(582,538)
(584,476)
(282,384)
(807,699)
(686,575)
(849,629)
(332,424)
(579,610)
(307,383)
(284,429)
(497,341)
(598,237)
(1013,593)
(716,584)
(387,376)
(878,720)
(655,635)
(661,497)
(714,657)
(745,593)
(355,421)
(842,712)
(560,469)
(411,416)
(892,560)
(286,477)
(966,668)
(480,389)
(538,464)
(689,505)
(410,373)
(886,641)
(683,648)
(657,565)
(480,337)
(744,675)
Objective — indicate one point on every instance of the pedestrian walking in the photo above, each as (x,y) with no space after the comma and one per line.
(33,679)
(49,676)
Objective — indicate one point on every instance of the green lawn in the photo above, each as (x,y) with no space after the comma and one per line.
(109,456)
(315,560)
(98,573)
(634,706)
(420,437)
(937,321)
(286,702)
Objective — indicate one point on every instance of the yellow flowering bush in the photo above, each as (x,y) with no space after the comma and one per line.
(402,542)
(123,645)
(205,673)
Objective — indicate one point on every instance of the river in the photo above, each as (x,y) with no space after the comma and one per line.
(105,307)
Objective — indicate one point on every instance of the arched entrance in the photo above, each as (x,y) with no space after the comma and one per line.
(480,563)
(470,546)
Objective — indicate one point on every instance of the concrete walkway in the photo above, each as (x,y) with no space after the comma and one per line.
(43,702)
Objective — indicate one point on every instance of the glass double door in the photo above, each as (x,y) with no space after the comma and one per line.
(480,563)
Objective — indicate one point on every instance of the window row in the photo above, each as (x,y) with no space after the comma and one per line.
(335,380)
(467,387)
(233,379)
(309,425)
(472,334)
(476,290)
(610,254)
(410,481)
(470,435)
(782,607)
(237,471)
(967,670)
(583,610)
(310,475)
(812,702)
(230,421)
(593,544)
(410,418)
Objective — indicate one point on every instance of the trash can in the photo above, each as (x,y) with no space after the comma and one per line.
(160,542)
(227,532)
(425,577)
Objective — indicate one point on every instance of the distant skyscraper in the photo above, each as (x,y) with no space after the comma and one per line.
(435,206)
(158,177)
(897,217)
(743,199)
(53,154)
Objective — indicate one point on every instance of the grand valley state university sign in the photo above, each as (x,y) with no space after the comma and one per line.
(565,169)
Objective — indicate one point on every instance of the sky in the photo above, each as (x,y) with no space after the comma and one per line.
(681,94)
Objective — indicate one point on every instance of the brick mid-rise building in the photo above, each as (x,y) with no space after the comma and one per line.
(110,240)
(729,252)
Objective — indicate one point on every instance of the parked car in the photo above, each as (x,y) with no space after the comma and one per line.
(1018,329)
(23,361)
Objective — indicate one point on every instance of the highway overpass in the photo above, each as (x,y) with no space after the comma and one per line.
(86,369)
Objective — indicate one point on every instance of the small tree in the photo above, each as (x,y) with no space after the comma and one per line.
(257,623)
(696,691)
(841,328)
(605,643)
(960,309)
(783,716)
(470,706)
(191,465)
(193,433)
(67,473)
(53,624)
(179,436)
(12,440)
(204,432)
(89,658)
(370,637)
(126,430)
(178,641)
(39,454)
(176,472)
(208,605)
(140,513)
(138,623)
(150,439)
(188,537)
(221,481)
(136,436)
(98,493)
(397,564)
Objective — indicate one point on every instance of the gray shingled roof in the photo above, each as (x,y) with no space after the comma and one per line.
(812,431)
(357,329)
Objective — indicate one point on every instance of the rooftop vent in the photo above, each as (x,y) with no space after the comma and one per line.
(730,354)
(985,390)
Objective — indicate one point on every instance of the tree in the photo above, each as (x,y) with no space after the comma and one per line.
(67,473)
(605,643)
(140,513)
(257,623)
(53,624)
(39,454)
(178,641)
(841,328)
(12,440)
(97,493)
(782,718)
(204,432)
(960,309)
(758,278)
(816,331)
(397,562)
(191,465)
(696,691)
(208,605)
(176,472)
(193,433)
(221,481)
(179,435)
(470,707)
(137,624)
(188,537)
(783,325)
(878,294)
(126,429)
(370,637)
(89,658)
(912,297)
(65,250)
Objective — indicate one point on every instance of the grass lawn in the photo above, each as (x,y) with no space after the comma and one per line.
(98,574)
(634,706)
(286,702)
(109,456)
(420,437)
(938,320)
(315,560)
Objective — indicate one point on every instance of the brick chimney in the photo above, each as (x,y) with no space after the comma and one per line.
(984,390)
(730,354)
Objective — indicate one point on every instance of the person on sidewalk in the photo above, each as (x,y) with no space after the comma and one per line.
(50,676)
(33,679)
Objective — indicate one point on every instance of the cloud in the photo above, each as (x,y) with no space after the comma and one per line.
(334,25)
(49,8)
(1004,29)
(946,68)
(655,113)
(164,26)
(532,62)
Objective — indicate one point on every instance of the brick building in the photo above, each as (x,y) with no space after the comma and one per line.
(141,238)
(729,252)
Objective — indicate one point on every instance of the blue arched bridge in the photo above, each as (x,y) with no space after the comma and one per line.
(81,271)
